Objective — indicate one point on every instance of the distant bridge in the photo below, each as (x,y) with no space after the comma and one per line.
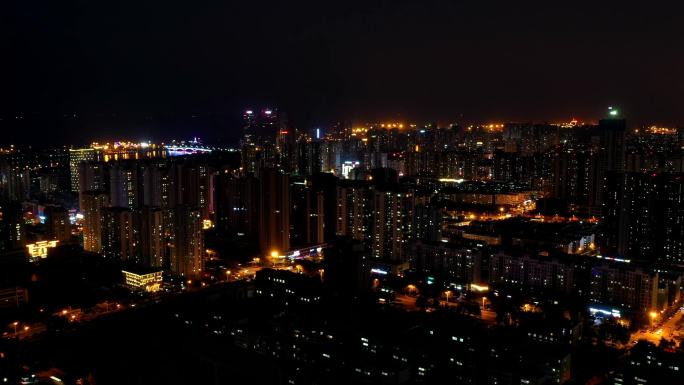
(178,150)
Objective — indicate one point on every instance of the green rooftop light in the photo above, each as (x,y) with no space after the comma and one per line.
(612,111)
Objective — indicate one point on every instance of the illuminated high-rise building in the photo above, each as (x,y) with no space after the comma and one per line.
(249,120)
(76,156)
(93,204)
(15,179)
(153,245)
(195,186)
(610,137)
(274,211)
(643,216)
(261,133)
(326,183)
(57,223)
(427,222)
(124,185)
(456,261)
(119,234)
(353,210)
(287,154)
(330,154)
(12,232)
(392,224)
(572,170)
(632,288)
(237,204)
(307,214)
(157,180)
(53,180)
(92,176)
(250,151)
(187,253)
(527,139)
(507,166)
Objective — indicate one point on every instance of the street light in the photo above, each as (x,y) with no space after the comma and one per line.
(446,293)
(15,323)
(653,315)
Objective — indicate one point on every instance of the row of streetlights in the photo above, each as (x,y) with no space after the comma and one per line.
(16,329)
(412,289)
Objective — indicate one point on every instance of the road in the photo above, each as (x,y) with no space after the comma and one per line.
(408,303)
(669,329)
(489,316)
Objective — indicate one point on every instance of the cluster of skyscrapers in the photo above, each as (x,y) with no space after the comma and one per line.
(150,211)
(412,194)
(585,218)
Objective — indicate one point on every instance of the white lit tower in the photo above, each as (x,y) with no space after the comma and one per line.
(261,131)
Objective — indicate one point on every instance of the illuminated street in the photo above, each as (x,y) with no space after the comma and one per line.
(671,329)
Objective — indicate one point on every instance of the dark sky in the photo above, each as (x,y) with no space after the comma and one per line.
(145,68)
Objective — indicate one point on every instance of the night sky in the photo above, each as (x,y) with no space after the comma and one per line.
(157,69)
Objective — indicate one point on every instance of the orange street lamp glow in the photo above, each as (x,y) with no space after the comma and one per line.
(480,288)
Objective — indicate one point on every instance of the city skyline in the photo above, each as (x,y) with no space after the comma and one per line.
(226,131)
(390,192)
(566,237)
